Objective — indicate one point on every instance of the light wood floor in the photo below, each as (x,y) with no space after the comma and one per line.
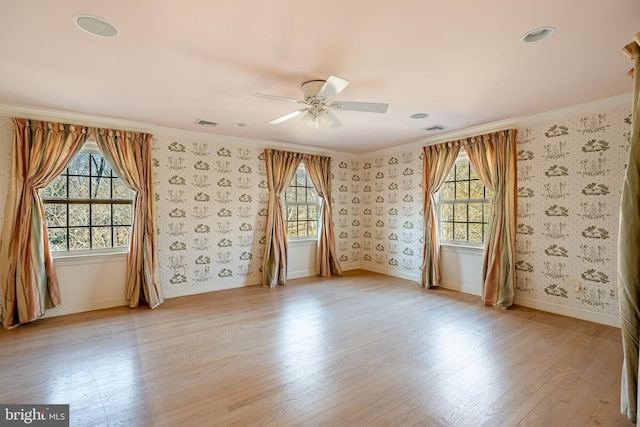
(363,350)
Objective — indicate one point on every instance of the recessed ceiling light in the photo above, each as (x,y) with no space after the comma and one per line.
(537,34)
(95,25)
(240,125)
(419,116)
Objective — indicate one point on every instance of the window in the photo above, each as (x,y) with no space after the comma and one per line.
(301,206)
(464,205)
(87,207)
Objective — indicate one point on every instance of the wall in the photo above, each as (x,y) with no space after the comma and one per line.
(570,173)
(211,195)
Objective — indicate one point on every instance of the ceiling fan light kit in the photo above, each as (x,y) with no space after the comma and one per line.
(317,94)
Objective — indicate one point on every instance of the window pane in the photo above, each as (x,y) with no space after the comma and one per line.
(487,210)
(475,233)
(311,195)
(79,165)
(100,188)
(447,231)
(292,229)
(477,190)
(462,171)
(302,194)
(488,193)
(78,214)
(473,174)
(460,213)
(101,215)
(447,212)
(312,212)
(312,228)
(79,238)
(121,191)
(460,232)
(57,189)
(99,166)
(462,190)
(100,237)
(291,213)
(55,215)
(57,239)
(121,236)
(78,187)
(290,194)
(301,178)
(475,212)
(449,191)
(122,214)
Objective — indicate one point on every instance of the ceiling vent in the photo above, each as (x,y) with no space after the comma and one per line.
(206,123)
(434,128)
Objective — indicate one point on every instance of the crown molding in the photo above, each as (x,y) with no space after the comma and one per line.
(81,119)
(160,131)
(585,108)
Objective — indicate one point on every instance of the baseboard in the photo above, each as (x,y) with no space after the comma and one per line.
(211,287)
(578,313)
(350,265)
(299,274)
(64,309)
(467,289)
(392,272)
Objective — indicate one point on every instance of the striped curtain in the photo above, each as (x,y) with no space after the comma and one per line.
(129,153)
(28,281)
(629,251)
(437,162)
(319,170)
(493,157)
(281,167)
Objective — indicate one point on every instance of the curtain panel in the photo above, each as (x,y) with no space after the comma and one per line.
(319,170)
(493,157)
(437,162)
(129,153)
(281,167)
(28,281)
(629,251)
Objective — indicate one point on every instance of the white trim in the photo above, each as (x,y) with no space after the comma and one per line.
(462,249)
(69,258)
(64,309)
(80,119)
(467,289)
(299,274)
(394,272)
(211,287)
(563,310)
(585,108)
(350,265)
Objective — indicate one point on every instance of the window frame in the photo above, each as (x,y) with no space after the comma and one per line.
(440,202)
(285,204)
(90,147)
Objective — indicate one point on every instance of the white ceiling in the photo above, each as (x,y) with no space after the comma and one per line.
(173,62)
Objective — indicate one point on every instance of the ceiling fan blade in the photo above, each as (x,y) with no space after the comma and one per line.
(366,107)
(332,87)
(288,116)
(278,98)
(335,122)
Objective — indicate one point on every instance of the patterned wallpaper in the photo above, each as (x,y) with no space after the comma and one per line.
(212,199)
(211,202)
(380,199)
(569,185)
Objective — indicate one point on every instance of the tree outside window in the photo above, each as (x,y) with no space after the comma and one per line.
(464,205)
(88,207)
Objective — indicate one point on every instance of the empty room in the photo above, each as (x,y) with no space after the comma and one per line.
(348,213)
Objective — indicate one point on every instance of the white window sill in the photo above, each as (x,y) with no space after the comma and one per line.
(461,248)
(302,241)
(85,257)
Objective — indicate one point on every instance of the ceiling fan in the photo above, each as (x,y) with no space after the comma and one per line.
(317,95)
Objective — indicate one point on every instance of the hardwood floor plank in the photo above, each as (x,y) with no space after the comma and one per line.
(364,349)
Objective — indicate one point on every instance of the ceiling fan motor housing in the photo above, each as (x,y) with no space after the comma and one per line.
(311,88)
